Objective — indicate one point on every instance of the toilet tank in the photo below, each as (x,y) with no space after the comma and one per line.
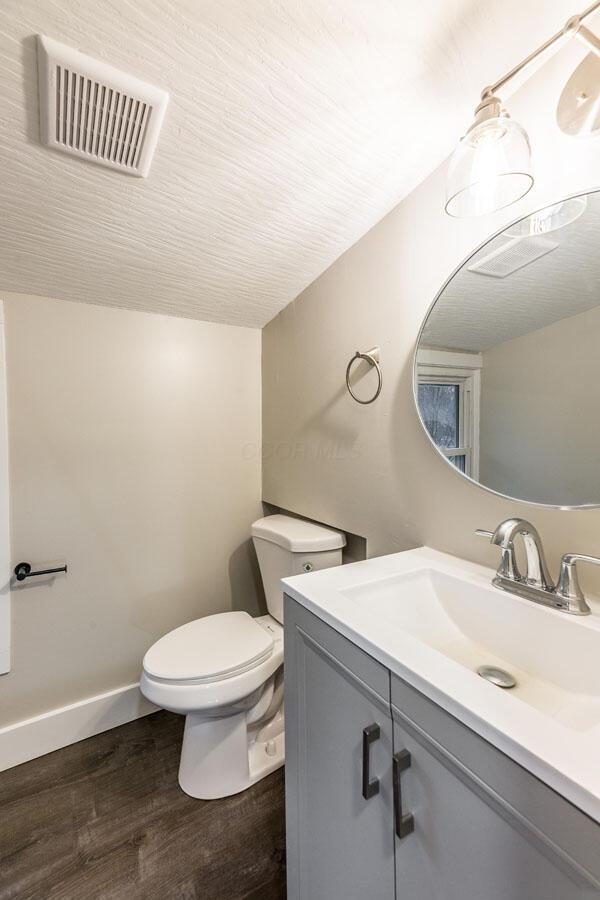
(287,546)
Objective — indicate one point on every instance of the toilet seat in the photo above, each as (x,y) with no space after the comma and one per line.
(210,649)
(214,694)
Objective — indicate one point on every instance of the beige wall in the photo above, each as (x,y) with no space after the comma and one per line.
(127,459)
(539,438)
(371,469)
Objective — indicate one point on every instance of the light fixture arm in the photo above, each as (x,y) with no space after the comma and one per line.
(588,38)
(572,28)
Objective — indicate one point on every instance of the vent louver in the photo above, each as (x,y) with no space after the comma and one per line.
(512,255)
(91,110)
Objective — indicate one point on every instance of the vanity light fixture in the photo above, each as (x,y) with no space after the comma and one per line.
(491,167)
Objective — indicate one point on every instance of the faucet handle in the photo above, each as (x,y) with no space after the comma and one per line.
(568,587)
(508,567)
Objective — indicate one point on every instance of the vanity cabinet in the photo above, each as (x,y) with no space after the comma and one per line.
(450,816)
(339,718)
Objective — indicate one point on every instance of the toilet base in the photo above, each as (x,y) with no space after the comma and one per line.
(222,756)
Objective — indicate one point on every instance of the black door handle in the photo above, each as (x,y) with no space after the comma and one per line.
(23,571)
(405,823)
(369,788)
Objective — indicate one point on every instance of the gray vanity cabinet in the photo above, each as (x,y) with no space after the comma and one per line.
(473,824)
(469,841)
(342,843)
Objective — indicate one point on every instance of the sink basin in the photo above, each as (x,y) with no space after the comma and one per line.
(433,620)
(554,659)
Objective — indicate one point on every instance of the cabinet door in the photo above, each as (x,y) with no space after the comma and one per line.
(466,844)
(340,843)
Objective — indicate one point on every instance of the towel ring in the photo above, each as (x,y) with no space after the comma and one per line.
(372,357)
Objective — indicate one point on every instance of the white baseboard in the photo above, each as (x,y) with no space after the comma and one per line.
(66,725)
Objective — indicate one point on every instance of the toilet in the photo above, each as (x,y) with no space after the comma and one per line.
(225,672)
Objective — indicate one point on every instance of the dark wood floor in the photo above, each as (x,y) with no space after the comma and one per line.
(105,819)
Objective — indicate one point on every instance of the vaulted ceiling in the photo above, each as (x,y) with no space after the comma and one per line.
(293,127)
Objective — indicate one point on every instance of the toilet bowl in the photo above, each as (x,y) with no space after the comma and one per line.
(224,672)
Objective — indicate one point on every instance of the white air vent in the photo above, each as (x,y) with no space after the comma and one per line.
(512,255)
(91,110)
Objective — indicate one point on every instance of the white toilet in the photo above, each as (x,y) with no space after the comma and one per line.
(225,672)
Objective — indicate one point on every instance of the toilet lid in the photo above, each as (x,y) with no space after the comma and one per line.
(210,648)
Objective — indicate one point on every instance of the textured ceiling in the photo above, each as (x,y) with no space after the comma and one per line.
(477,312)
(293,126)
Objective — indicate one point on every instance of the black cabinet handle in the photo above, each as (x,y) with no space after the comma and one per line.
(369,788)
(405,823)
(23,571)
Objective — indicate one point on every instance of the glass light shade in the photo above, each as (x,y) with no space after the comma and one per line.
(549,219)
(490,168)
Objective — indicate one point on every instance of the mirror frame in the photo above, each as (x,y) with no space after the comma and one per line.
(430,309)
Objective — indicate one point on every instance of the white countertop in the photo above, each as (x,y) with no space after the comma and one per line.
(565,758)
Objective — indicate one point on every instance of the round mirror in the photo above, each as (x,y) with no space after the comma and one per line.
(507,366)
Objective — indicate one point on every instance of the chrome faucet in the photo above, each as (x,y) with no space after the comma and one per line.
(537,584)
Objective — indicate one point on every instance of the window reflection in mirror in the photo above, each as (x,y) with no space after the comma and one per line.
(447,395)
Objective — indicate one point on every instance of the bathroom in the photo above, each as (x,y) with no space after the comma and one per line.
(177,434)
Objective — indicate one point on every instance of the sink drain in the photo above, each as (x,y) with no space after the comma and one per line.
(497,676)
